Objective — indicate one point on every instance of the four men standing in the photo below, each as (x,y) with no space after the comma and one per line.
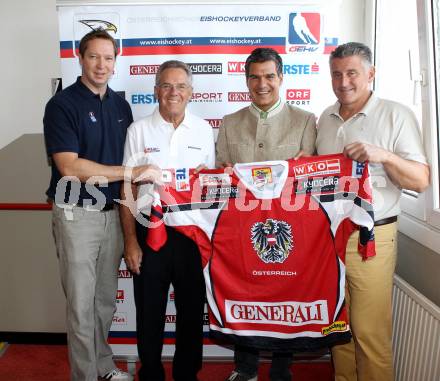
(85,129)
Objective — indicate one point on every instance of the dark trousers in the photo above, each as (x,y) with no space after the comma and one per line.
(177,263)
(246,361)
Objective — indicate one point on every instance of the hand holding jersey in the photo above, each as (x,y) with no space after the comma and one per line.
(280,226)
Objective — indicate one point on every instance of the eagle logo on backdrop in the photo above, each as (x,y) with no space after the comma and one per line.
(100,25)
(272,240)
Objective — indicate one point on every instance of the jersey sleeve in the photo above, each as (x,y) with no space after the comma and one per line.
(352,202)
(181,203)
(362,212)
(157,234)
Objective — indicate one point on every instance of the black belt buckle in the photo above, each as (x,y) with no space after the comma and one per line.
(386,221)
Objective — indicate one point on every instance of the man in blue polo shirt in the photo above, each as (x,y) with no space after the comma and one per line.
(84,128)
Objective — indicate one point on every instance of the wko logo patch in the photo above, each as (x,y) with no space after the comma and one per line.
(304,32)
(323,167)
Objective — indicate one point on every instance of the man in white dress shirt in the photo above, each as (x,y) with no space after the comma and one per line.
(169,138)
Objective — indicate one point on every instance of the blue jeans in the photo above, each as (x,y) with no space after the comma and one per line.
(246,361)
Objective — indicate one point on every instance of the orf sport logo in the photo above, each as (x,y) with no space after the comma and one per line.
(298,96)
(304,32)
(272,240)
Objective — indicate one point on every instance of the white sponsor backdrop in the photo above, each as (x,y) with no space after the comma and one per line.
(215,40)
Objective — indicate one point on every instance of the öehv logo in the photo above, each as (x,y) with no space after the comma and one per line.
(304,32)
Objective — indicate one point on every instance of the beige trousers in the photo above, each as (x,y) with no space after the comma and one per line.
(369,356)
(89,247)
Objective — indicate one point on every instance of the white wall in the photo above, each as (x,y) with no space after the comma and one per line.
(30,53)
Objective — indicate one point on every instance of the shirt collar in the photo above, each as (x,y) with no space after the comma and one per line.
(86,92)
(260,114)
(334,110)
(159,120)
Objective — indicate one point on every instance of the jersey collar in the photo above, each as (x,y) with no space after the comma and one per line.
(265,180)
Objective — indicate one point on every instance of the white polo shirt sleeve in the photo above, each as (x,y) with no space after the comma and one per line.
(133,149)
(408,144)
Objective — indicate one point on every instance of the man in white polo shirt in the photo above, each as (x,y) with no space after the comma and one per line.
(386,134)
(169,138)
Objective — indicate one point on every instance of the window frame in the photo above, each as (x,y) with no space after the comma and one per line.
(420,219)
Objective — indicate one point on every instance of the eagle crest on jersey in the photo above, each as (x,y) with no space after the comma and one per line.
(272,240)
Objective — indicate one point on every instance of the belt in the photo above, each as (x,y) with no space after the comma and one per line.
(97,208)
(386,221)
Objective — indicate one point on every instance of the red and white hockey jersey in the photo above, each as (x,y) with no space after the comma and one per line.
(272,236)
